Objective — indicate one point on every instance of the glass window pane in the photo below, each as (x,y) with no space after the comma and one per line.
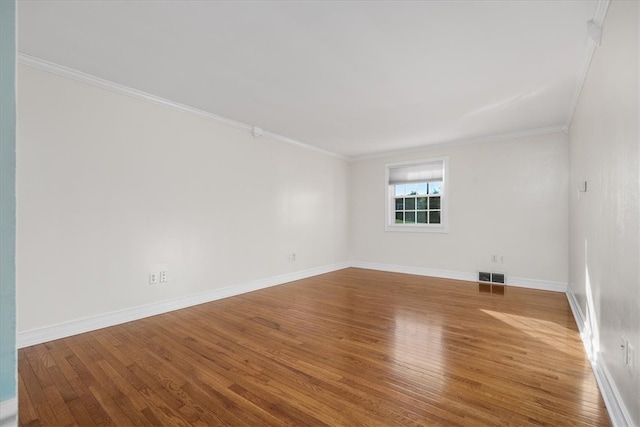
(399,190)
(435,187)
(399,204)
(434,202)
(422,218)
(434,217)
(399,217)
(410,203)
(409,217)
(422,203)
(411,189)
(421,188)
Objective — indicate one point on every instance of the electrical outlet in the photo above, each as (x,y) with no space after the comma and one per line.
(163,276)
(502,259)
(153,278)
(494,258)
(292,257)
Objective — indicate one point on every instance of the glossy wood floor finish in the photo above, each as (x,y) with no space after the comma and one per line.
(349,348)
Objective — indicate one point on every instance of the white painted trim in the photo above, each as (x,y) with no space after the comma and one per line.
(74,327)
(70,73)
(469,141)
(618,412)
(620,416)
(581,322)
(419,271)
(543,285)
(598,18)
(601,12)
(9,412)
(389,224)
(461,275)
(79,76)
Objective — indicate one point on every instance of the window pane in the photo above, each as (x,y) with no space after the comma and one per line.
(411,189)
(422,203)
(410,203)
(434,202)
(418,194)
(435,187)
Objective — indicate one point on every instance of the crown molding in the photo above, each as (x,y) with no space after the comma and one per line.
(82,77)
(600,13)
(89,79)
(468,141)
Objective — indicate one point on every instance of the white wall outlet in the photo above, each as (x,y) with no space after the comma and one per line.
(163,276)
(502,259)
(494,258)
(153,278)
(292,257)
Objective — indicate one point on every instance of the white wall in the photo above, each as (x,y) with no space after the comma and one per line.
(111,187)
(605,221)
(506,197)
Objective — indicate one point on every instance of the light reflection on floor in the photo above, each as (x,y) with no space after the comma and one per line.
(417,346)
(550,333)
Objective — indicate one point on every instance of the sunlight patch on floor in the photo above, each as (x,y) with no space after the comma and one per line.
(548,332)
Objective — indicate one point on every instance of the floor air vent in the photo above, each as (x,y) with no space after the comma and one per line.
(493,283)
(497,278)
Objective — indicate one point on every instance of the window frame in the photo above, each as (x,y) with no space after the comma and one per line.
(390,224)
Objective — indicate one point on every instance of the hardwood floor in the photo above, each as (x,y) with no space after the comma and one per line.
(353,347)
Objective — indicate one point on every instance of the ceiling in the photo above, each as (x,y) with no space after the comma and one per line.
(351,77)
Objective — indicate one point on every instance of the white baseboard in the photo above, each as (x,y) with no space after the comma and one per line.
(420,271)
(582,324)
(461,275)
(9,412)
(620,416)
(543,285)
(74,327)
(617,410)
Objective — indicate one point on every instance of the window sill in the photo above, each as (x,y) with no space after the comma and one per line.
(417,228)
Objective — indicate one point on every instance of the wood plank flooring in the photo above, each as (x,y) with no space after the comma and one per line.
(349,348)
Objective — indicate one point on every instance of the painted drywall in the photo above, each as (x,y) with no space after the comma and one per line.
(604,235)
(111,188)
(507,198)
(7,202)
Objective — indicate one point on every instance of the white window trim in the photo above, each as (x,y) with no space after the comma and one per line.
(390,225)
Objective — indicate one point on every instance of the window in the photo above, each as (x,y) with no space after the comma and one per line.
(416,195)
